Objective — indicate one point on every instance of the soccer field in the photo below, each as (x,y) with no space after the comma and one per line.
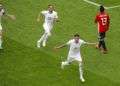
(23,64)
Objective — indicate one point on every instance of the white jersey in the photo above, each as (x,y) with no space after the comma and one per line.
(49,17)
(75,48)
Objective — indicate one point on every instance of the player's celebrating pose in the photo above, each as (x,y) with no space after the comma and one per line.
(3,13)
(103,20)
(50,17)
(74,53)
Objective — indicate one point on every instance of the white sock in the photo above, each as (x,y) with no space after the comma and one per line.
(45,38)
(80,70)
(0,41)
(65,63)
(42,38)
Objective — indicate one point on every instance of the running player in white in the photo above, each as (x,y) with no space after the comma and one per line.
(2,12)
(50,17)
(74,53)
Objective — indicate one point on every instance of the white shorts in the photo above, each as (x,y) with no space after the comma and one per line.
(47,28)
(71,59)
(74,56)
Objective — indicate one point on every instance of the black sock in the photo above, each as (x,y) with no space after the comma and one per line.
(103,45)
(100,44)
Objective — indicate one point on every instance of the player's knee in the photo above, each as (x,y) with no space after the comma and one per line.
(49,34)
(101,39)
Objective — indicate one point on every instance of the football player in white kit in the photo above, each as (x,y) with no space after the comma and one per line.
(2,12)
(74,53)
(50,17)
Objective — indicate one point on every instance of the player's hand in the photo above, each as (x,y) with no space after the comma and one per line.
(12,17)
(38,19)
(55,48)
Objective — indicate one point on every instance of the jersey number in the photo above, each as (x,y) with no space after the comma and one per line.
(104,21)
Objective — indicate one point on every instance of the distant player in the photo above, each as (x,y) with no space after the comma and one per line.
(50,17)
(74,53)
(3,13)
(103,21)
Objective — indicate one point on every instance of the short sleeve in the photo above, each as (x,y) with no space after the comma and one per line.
(69,42)
(82,42)
(44,12)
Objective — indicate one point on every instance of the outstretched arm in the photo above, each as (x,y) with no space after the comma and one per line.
(61,46)
(88,43)
(41,15)
(10,16)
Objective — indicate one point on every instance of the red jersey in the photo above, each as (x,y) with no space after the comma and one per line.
(103,21)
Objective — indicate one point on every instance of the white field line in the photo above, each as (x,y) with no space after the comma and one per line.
(93,3)
(113,7)
(96,4)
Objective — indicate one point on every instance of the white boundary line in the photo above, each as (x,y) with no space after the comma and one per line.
(96,4)
(93,3)
(113,7)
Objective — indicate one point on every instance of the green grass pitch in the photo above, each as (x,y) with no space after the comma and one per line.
(22,64)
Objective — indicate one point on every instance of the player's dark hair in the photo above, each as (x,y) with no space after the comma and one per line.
(76,35)
(102,8)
